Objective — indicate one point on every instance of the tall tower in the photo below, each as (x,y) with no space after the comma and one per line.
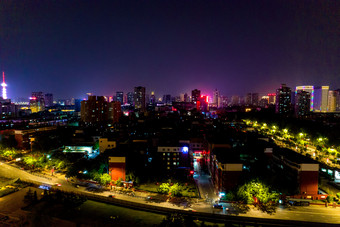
(283,100)
(139,98)
(4,85)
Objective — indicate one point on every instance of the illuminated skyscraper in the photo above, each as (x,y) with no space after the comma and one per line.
(332,95)
(321,99)
(37,102)
(4,85)
(283,100)
(139,98)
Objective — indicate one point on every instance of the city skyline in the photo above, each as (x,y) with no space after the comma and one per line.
(69,49)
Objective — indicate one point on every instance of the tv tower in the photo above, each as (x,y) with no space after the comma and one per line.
(4,85)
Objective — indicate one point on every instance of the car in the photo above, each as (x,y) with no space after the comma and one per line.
(111,196)
(298,203)
(218,206)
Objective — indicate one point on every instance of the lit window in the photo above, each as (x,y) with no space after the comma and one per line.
(168,163)
(174,163)
(168,154)
(177,163)
(163,153)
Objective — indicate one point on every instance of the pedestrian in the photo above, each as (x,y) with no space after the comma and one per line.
(334,204)
(326,204)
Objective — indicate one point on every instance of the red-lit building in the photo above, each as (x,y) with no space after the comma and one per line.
(117,168)
(303,170)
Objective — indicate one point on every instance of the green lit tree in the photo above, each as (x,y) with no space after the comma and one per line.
(105,179)
(164,188)
(176,190)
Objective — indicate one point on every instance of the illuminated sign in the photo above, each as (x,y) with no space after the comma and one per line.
(337,175)
(185,149)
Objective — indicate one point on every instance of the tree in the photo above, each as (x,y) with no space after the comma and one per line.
(105,179)
(119,182)
(164,188)
(176,190)
(30,161)
(256,192)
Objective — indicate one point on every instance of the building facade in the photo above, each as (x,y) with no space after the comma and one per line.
(283,100)
(139,98)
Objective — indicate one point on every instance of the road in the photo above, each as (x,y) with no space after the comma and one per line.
(204,184)
(311,213)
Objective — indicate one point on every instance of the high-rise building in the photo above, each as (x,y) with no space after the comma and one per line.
(139,98)
(302,103)
(255,99)
(248,99)
(120,97)
(167,99)
(37,102)
(283,100)
(196,95)
(216,96)
(152,98)
(332,101)
(337,93)
(321,98)
(310,90)
(48,99)
(235,100)
(130,98)
(77,105)
(94,110)
(115,111)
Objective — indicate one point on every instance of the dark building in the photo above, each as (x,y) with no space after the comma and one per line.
(167,99)
(130,98)
(48,100)
(152,98)
(174,157)
(139,98)
(77,105)
(115,111)
(298,168)
(120,97)
(302,103)
(94,110)
(283,100)
(196,95)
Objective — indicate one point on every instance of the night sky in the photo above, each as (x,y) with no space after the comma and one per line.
(69,48)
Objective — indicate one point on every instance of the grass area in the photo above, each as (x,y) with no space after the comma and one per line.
(189,189)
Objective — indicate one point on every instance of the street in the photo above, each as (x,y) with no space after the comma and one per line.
(314,213)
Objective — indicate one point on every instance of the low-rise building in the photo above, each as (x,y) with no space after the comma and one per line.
(105,144)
